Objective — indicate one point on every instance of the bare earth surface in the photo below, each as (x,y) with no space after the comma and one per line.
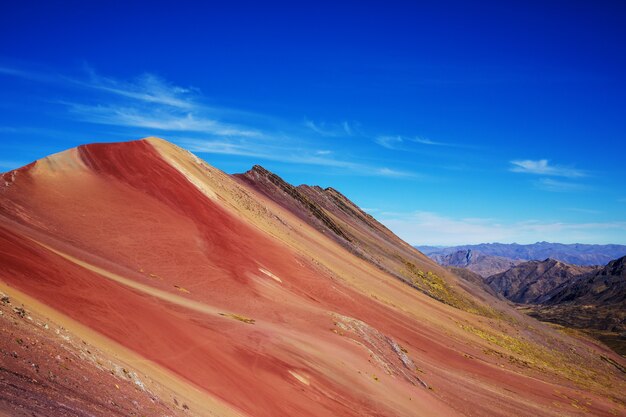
(154,284)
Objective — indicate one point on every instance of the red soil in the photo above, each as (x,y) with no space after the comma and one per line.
(45,373)
(139,218)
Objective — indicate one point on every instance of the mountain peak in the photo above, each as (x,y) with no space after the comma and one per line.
(259,169)
(190,254)
(616,267)
(62,160)
(153,140)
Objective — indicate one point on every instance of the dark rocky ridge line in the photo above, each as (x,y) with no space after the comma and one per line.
(255,177)
(319,207)
(335,215)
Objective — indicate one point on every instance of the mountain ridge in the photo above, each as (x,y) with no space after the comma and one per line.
(576,253)
(156,261)
(476,261)
(594,301)
(530,282)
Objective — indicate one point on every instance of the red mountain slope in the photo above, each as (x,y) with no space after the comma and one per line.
(221,301)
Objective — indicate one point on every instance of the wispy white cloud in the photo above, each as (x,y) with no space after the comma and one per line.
(389,142)
(147,87)
(549,184)
(274,151)
(397,142)
(331,129)
(148,103)
(157,118)
(347,128)
(394,173)
(425,141)
(227,147)
(543,167)
(30,75)
(428,228)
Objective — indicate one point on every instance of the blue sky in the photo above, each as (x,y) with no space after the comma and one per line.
(451,122)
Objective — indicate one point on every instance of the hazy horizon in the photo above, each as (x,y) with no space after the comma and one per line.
(515,243)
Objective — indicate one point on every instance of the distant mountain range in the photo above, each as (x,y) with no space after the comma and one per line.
(605,286)
(574,285)
(577,254)
(594,301)
(475,261)
(532,282)
(592,298)
(177,289)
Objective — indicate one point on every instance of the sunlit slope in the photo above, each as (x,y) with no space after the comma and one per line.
(335,216)
(220,285)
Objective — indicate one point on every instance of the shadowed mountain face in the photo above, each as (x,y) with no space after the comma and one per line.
(605,286)
(476,261)
(531,282)
(577,254)
(596,301)
(588,298)
(138,280)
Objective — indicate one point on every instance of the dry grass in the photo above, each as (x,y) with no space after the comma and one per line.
(436,287)
(239,317)
(546,359)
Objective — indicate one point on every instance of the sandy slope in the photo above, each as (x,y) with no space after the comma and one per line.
(220,288)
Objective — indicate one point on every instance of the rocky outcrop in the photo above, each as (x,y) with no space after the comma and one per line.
(289,196)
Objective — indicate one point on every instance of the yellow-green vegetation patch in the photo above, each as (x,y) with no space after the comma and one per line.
(549,356)
(505,341)
(238,317)
(436,287)
(546,359)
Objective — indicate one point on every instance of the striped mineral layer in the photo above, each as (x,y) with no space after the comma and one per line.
(138,280)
